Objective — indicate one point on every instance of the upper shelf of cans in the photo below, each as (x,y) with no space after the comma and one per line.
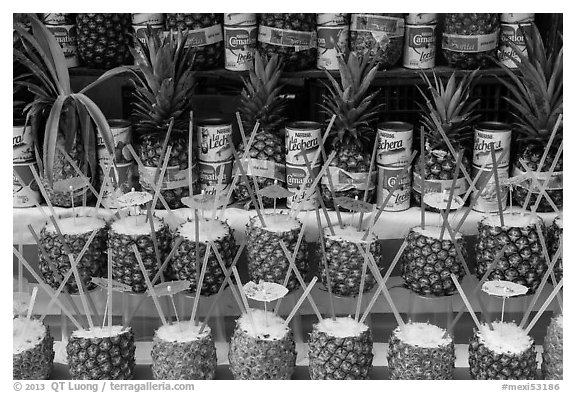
(308,43)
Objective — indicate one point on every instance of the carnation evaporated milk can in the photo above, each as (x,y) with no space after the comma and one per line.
(333,31)
(214,154)
(388,177)
(486,133)
(22,156)
(420,46)
(300,135)
(63,27)
(394,143)
(240,38)
(487,202)
(512,32)
(421,19)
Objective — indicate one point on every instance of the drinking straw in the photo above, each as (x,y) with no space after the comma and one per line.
(241,128)
(308,192)
(497,181)
(149,284)
(422,180)
(465,299)
(109,297)
(300,301)
(78,171)
(367,184)
(160,177)
(543,307)
(199,284)
(542,191)
(330,182)
(550,172)
(224,269)
(323,256)
(32,301)
(190,143)
(362,280)
(154,239)
(244,299)
(452,192)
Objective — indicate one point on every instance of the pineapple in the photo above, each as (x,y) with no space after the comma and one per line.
(380,35)
(32,354)
(555,232)
(181,352)
(76,231)
(340,349)
(164,93)
(104,39)
(523,260)
(184,263)
(458,29)
(296,58)
(505,353)
(208,57)
(420,351)
(345,261)
(136,230)
(450,106)
(536,100)
(428,262)
(266,259)
(260,101)
(552,363)
(351,135)
(269,353)
(102,353)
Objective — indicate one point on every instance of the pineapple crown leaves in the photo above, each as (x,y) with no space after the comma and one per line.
(536,88)
(449,107)
(260,98)
(349,100)
(165,84)
(67,112)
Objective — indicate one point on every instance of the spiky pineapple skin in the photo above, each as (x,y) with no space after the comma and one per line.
(92,264)
(345,262)
(184,262)
(409,362)
(427,264)
(208,57)
(103,39)
(194,360)
(267,146)
(149,149)
(125,268)
(339,358)
(364,42)
(532,154)
(487,364)
(255,359)
(555,233)
(35,363)
(552,361)
(266,259)
(470,24)
(523,260)
(293,60)
(110,358)
(351,159)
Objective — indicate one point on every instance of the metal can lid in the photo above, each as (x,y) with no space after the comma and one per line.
(303,125)
(493,126)
(213,121)
(395,126)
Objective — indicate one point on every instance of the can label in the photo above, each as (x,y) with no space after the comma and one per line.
(214,138)
(470,43)
(512,32)
(174,177)
(487,202)
(439,185)
(121,180)
(140,31)
(343,180)
(302,135)
(209,172)
(331,19)
(202,37)
(240,19)
(56,19)
(421,19)
(394,144)
(516,18)
(240,43)
(66,37)
(420,46)
(555,182)
(295,175)
(332,40)
(388,177)
(299,40)
(147,19)
(22,144)
(385,25)
(22,156)
(484,138)
(261,168)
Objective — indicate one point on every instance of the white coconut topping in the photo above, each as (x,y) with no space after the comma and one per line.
(135,225)
(507,337)
(77,226)
(27,333)
(560,321)
(268,325)
(99,332)
(341,327)
(434,232)
(422,335)
(559,221)
(511,220)
(208,230)
(279,223)
(182,332)
(349,233)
